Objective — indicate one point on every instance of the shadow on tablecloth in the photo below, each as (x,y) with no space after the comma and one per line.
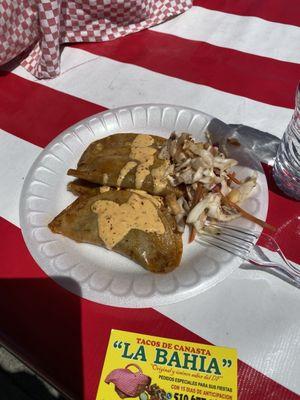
(40,322)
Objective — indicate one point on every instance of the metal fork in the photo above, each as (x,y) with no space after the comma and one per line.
(241,243)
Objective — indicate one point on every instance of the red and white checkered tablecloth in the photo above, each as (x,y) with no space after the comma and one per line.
(39,28)
(238,61)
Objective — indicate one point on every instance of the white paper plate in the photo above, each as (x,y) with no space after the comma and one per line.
(94,272)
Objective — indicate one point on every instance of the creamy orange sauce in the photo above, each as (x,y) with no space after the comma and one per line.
(103,189)
(156,200)
(160,180)
(141,152)
(144,154)
(115,221)
(143,141)
(143,171)
(124,171)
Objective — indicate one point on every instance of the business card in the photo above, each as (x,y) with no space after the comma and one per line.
(155,368)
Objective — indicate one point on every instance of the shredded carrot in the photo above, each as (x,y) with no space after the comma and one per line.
(233,141)
(233,178)
(248,216)
(198,196)
(192,234)
(198,193)
(216,188)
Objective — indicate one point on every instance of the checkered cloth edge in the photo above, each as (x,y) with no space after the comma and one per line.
(40,27)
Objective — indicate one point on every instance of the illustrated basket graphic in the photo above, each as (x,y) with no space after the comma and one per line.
(128,383)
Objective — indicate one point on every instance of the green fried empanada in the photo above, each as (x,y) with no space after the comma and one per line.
(134,225)
(126,160)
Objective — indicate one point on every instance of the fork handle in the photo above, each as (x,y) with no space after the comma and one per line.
(286,269)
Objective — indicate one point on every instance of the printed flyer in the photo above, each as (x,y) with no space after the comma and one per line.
(154,368)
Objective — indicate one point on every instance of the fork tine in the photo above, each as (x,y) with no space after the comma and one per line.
(247,232)
(244,235)
(242,244)
(234,240)
(228,249)
(244,239)
(238,242)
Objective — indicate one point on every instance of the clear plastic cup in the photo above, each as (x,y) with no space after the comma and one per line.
(286,169)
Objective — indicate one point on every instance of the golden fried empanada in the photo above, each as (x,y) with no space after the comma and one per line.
(126,160)
(135,225)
